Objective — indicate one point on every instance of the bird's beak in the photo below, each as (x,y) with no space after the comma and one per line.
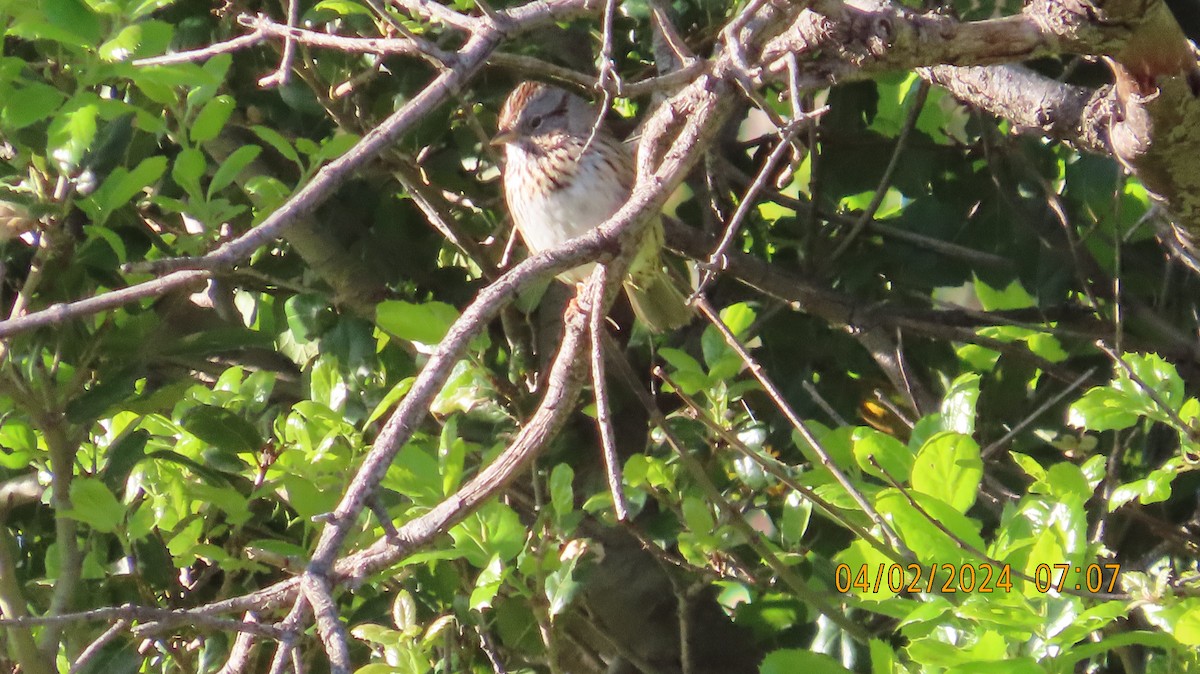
(503,137)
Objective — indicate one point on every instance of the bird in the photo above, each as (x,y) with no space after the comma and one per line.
(564,177)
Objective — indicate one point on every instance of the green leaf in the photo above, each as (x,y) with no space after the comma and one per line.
(861,555)
(1120,404)
(276,140)
(335,146)
(123,454)
(308,499)
(404,612)
(74,17)
(229,500)
(97,399)
(723,362)
(1005,666)
(140,39)
(17,435)
(1065,482)
(797,512)
(266,193)
(892,455)
(424,323)
(212,119)
(229,169)
(71,133)
(488,585)
(1066,662)
(1012,297)
(1153,489)
(222,429)
(495,530)
(32,102)
(1102,409)
(391,399)
(122,186)
(698,517)
(342,7)
(948,467)
(1187,627)
(958,407)
(414,473)
(208,473)
(1156,375)
(185,540)
(561,587)
(1092,620)
(791,661)
(882,657)
(94,505)
(308,316)
(917,529)
(738,318)
(376,667)
(836,443)
(1030,465)
(145,7)
(452,453)
(562,496)
(687,372)
(187,171)
(326,385)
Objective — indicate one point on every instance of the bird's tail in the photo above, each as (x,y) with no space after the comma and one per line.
(658,302)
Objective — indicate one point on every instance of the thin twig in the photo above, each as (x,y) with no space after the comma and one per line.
(489,651)
(778,470)
(823,403)
(1171,413)
(716,261)
(287,650)
(660,16)
(332,175)
(283,74)
(437,12)
(60,313)
(608,443)
(752,537)
(1032,416)
(683,611)
(802,428)
(226,47)
(240,652)
(748,533)
(607,76)
(910,123)
(164,618)
(319,593)
(93,649)
(440,214)
(409,44)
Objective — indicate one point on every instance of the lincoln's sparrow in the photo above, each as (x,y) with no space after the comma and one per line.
(557,192)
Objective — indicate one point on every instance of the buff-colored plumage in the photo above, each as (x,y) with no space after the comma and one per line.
(556,192)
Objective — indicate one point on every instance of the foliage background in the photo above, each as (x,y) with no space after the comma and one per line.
(948,304)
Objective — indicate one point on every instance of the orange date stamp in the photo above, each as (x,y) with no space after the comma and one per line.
(984,578)
(1091,578)
(946,578)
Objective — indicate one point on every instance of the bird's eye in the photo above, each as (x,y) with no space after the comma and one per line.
(535,122)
